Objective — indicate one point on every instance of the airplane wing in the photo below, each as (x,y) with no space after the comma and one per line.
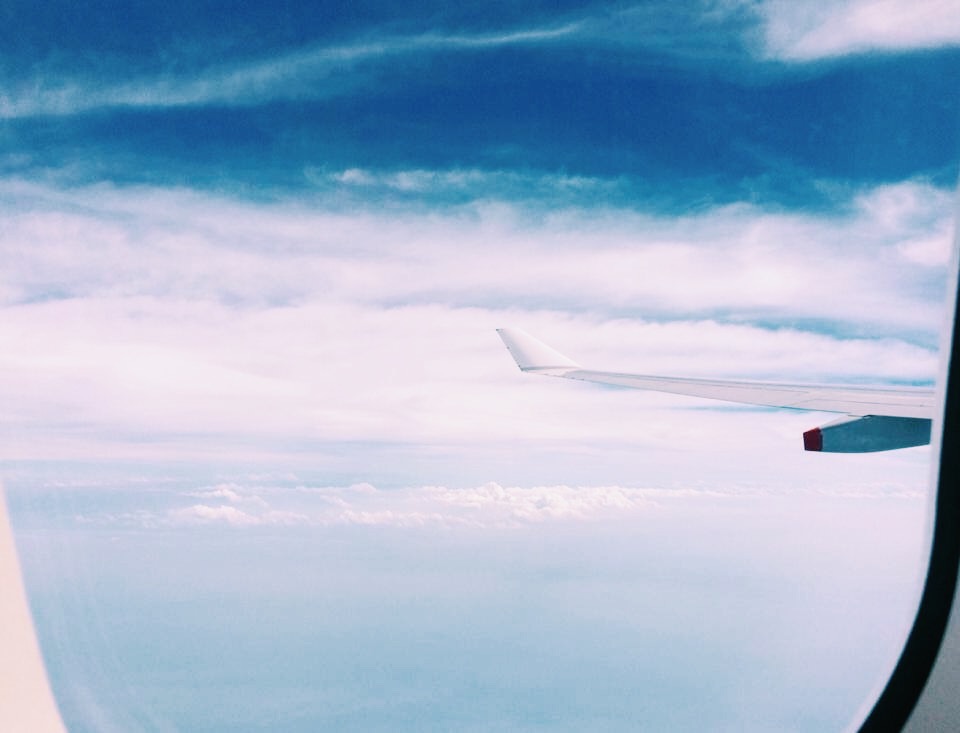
(879,418)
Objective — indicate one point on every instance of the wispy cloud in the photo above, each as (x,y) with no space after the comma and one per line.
(474,182)
(705,33)
(700,31)
(317,72)
(799,32)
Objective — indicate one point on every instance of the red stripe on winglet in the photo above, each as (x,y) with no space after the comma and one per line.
(813,440)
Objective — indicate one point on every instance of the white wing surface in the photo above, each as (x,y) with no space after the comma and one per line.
(906,407)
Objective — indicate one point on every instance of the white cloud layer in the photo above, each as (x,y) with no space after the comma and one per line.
(153,323)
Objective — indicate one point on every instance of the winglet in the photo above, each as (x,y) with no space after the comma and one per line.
(532,354)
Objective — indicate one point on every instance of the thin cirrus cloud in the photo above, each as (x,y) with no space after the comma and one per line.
(782,31)
(310,73)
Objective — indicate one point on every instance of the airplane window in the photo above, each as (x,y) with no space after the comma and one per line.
(270,466)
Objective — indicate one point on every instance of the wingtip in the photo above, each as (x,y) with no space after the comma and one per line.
(813,440)
(531,354)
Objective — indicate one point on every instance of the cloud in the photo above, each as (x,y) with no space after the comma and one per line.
(706,33)
(470,182)
(486,506)
(544,503)
(155,323)
(230,492)
(230,515)
(326,71)
(801,32)
(225,250)
(204,514)
(316,72)
(489,506)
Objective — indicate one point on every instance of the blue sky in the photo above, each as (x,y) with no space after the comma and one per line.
(253,263)
(216,97)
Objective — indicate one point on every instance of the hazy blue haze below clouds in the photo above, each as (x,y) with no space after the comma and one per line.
(674,610)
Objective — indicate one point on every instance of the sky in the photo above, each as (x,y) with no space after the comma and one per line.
(268,464)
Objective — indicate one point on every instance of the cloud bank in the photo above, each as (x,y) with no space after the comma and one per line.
(155,321)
